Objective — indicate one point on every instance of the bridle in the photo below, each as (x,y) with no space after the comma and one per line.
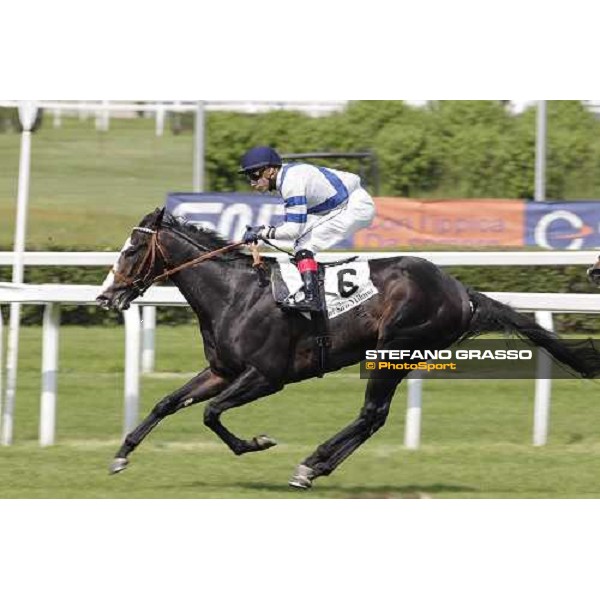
(140,280)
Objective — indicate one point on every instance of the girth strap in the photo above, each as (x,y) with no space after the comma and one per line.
(321,327)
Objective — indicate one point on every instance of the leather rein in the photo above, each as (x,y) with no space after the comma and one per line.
(139,281)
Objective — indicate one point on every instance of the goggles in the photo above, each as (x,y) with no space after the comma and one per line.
(255,175)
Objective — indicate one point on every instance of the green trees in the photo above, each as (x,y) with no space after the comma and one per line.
(458,148)
(445,149)
(409,160)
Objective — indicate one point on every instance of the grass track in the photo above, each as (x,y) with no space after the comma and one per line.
(81,178)
(476,436)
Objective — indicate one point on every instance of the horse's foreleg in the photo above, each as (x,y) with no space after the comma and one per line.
(249,386)
(329,455)
(203,386)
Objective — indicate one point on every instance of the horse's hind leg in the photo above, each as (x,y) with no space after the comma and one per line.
(203,386)
(329,455)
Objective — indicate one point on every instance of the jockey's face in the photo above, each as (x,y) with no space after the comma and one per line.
(263,179)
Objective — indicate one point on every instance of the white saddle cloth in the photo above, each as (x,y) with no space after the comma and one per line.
(346,286)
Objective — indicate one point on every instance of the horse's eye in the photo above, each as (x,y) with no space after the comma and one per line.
(131,251)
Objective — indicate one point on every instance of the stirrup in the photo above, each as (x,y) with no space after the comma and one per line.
(302,305)
(314,307)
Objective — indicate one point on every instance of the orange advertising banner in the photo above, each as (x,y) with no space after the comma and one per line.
(409,222)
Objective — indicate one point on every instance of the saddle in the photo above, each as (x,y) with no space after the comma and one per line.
(345,289)
(279,287)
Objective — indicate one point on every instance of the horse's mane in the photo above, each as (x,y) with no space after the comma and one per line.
(207,239)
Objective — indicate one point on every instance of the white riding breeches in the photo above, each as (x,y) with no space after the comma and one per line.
(324,231)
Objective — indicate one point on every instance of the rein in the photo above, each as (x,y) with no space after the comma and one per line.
(155,246)
(194,261)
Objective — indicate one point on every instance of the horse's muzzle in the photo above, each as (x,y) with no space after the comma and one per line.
(104,302)
(118,298)
(119,302)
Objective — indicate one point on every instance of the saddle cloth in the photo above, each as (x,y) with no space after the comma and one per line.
(346,285)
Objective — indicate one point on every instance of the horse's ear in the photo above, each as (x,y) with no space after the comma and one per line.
(159,214)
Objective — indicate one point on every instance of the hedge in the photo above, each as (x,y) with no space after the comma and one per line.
(446,149)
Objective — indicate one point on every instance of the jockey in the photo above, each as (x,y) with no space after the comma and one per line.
(322,207)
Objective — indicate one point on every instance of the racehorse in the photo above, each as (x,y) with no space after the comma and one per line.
(254,349)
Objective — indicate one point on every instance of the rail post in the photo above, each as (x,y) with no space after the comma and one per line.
(27,115)
(132,366)
(412,429)
(543,386)
(49,374)
(148,338)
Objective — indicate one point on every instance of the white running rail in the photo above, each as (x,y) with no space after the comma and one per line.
(442,259)
(542,304)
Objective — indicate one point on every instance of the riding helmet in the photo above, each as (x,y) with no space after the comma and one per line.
(259,156)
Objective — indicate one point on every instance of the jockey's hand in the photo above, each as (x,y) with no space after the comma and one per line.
(252,234)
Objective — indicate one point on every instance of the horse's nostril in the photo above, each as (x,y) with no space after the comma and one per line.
(103,302)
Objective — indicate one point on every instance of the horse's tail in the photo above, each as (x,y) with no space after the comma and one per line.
(490,315)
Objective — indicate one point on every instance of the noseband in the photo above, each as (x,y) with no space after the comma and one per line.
(140,281)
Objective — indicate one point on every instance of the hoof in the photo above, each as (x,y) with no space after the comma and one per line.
(118,465)
(302,478)
(263,442)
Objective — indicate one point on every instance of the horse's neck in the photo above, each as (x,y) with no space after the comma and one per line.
(203,287)
(208,286)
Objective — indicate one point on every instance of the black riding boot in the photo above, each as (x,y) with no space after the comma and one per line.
(308,268)
(312,298)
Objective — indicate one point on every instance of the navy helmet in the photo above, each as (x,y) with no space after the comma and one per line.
(259,156)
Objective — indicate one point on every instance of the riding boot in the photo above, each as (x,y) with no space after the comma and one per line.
(312,298)
(307,265)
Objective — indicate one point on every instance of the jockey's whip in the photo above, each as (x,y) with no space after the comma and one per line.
(276,247)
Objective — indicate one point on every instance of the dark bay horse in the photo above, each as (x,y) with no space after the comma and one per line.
(254,349)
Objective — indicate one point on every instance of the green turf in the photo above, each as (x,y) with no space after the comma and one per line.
(89,187)
(476,436)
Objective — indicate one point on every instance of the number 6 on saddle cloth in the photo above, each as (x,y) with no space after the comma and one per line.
(345,284)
